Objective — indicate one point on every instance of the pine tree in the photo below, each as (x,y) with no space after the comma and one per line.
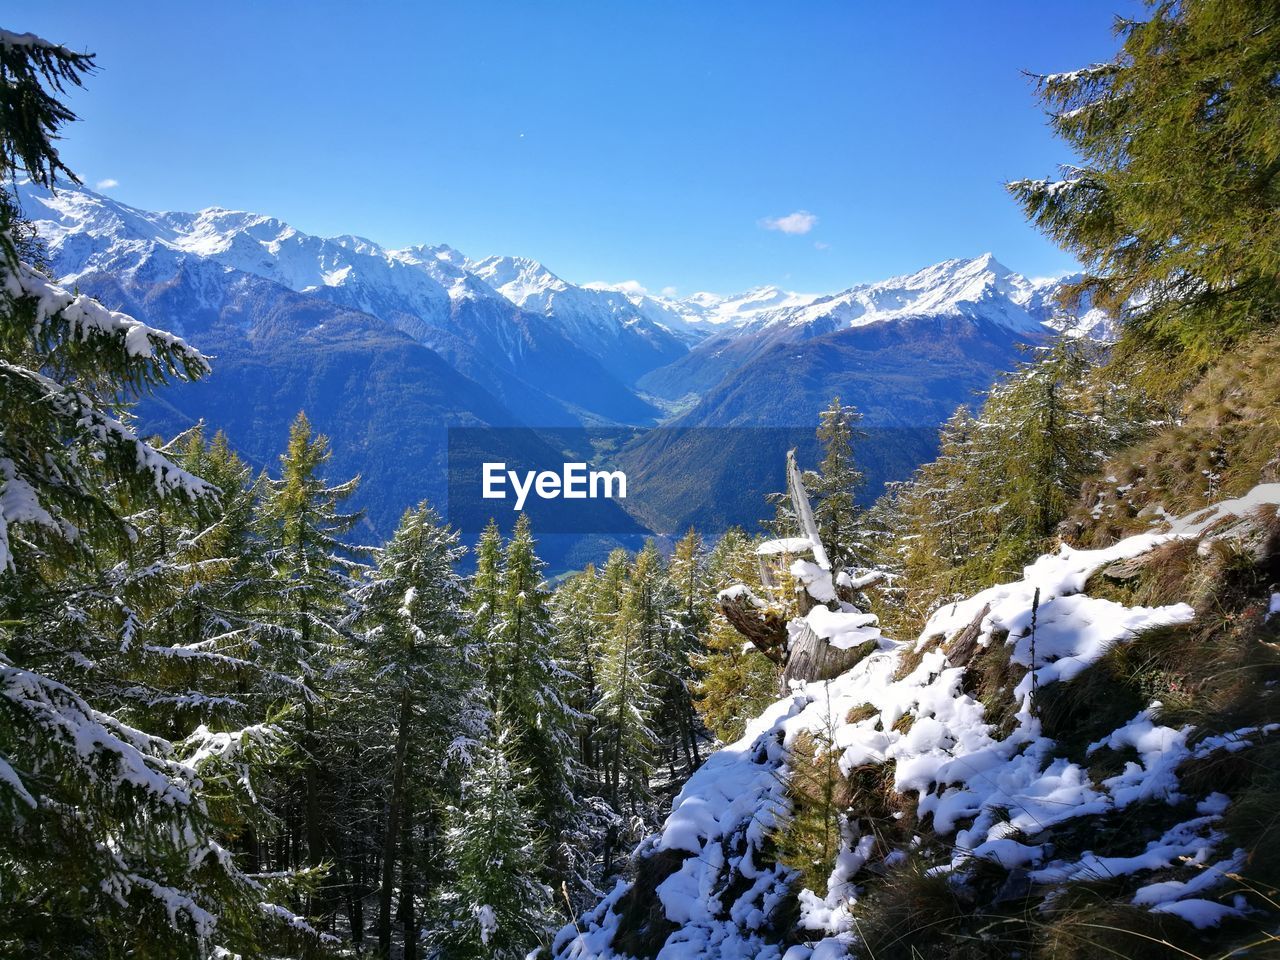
(578,648)
(630,689)
(419,682)
(188,595)
(690,617)
(494,907)
(1002,482)
(314,573)
(484,596)
(111,838)
(1171,206)
(836,484)
(528,684)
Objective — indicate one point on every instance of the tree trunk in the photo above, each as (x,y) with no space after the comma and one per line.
(408,881)
(391,832)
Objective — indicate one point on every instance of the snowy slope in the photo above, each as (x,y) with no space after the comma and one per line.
(958,301)
(626,339)
(979,287)
(992,793)
(523,357)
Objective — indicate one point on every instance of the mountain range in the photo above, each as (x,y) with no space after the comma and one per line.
(386,349)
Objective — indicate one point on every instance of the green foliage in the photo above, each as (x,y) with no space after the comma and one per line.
(820,798)
(34,74)
(836,484)
(1001,483)
(1172,208)
(630,685)
(494,907)
(734,680)
(114,577)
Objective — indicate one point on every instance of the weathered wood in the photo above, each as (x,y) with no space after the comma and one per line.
(766,629)
(1126,569)
(813,658)
(965,644)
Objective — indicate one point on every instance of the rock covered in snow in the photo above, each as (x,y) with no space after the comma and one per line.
(989,792)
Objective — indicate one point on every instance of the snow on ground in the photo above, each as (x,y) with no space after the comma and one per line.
(988,792)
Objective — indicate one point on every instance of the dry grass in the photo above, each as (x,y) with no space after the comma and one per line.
(990,677)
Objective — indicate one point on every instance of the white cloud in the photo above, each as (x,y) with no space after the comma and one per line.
(802,221)
(669,291)
(819,245)
(107,184)
(632,288)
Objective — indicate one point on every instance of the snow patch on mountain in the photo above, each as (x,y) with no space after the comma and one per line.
(419,289)
(980,287)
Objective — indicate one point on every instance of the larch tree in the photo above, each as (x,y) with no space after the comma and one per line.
(1172,206)
(313,574)
(419,680)
(529,686)
(835,486)
(689,618)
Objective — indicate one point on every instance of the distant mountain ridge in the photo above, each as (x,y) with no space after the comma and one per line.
(431,338)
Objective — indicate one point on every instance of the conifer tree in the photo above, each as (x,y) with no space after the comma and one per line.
(630,690)
(578,648)
(836,484)
(1001,483)
(313,573)
(484,596)
(1172,204)
(529,685)
(494,907)
(111,838)
(189,593)
(689,619)
(420,684)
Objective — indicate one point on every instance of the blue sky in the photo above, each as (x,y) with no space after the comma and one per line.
(651,141)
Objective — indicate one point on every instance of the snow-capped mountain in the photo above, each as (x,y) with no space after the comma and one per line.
(427,292)
(624,336)
(967,295)
(512,343)
(88,231)
(982,288)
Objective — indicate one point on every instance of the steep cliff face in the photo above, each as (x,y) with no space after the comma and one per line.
(1078,758)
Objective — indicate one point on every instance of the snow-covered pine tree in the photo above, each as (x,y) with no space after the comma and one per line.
(420,687)
(494,907)
(109,844)
(187,591)
(529,686)
(314,573)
